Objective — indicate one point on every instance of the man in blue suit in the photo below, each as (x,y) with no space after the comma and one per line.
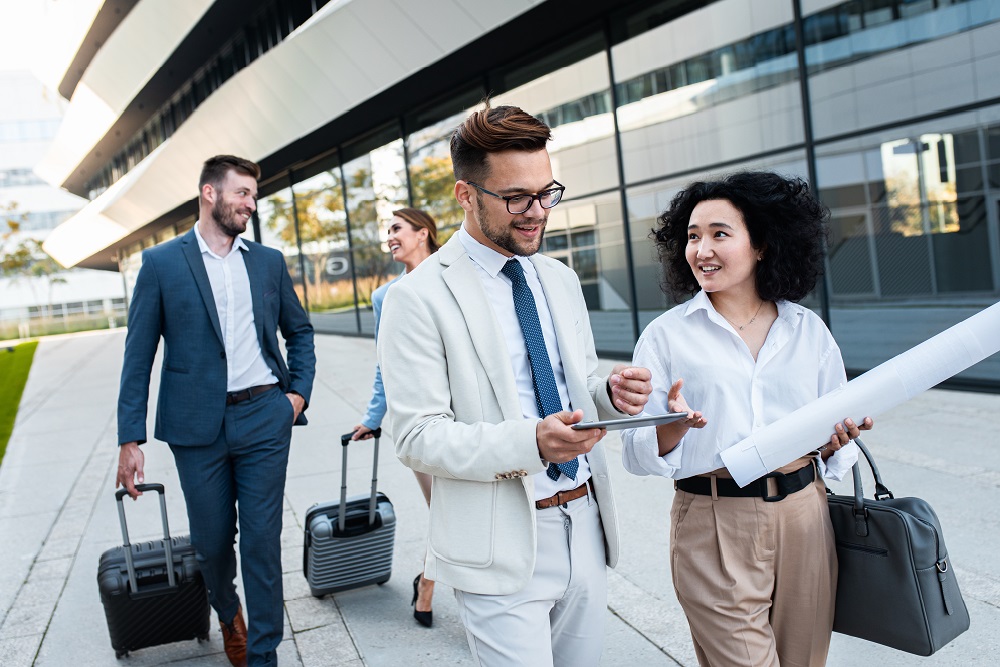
(227,399)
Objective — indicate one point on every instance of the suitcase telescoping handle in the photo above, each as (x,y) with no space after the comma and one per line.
(342,518)
(167,545)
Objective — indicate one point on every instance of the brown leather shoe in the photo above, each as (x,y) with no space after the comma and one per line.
(234,638)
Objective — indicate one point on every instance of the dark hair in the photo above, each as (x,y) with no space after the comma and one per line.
(786,223)
(215,169)
(421,220)
(491,130)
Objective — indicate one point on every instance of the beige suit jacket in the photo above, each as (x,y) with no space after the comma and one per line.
(453,411)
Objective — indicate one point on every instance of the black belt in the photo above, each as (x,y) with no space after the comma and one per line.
(233,397)
(725,487)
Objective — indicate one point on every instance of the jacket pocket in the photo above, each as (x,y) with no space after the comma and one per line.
(462,524)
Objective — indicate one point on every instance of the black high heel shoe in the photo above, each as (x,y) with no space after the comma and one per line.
(424,618)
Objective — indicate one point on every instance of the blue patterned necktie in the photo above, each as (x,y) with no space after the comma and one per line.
(542,378)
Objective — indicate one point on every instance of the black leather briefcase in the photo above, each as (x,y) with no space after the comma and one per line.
(895,586)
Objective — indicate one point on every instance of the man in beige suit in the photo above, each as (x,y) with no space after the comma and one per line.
(487,358)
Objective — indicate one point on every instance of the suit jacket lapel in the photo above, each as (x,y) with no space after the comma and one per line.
(256,292)
(189,245)
(462,278)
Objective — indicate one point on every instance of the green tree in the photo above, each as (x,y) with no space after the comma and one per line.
(322,225)
(22,258)
(433,183)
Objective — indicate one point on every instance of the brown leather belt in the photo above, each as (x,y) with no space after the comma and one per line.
(564,497)
(234,397)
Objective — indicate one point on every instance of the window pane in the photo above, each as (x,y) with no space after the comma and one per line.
(575,101)
(849,256)
(277,229)
(902,251)
(319,203)
(432,179)
(376,186)
(961,246)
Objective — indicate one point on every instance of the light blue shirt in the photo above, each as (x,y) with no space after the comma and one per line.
(375,412)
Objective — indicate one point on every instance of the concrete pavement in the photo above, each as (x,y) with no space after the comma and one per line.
(57,515)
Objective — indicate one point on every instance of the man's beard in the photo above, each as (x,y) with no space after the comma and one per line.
(228,220)
(503,236)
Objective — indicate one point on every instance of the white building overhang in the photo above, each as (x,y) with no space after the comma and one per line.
(133,53)
(346,53)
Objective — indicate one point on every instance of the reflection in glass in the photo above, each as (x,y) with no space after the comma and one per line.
(850,256)
(277,230)
(322,223)
(575,101)
(432,179)
(679,111)
(571,236)
(375,184)
(961,246)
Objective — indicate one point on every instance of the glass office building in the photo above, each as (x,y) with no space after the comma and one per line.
(891,108)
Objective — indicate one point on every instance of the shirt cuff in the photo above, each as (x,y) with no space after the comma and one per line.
(641,456)
(840,463)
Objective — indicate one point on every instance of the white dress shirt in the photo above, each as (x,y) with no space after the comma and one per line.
(501,296)
(799,362)
(245,365)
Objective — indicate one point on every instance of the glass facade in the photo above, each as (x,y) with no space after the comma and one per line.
(892,106)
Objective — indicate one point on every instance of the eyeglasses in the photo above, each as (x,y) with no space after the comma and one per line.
(517,204)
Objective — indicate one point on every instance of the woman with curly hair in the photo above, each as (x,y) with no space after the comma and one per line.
(754,568)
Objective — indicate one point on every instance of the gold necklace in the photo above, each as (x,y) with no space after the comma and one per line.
(752,319)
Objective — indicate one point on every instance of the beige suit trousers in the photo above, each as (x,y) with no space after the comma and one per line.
(757,580)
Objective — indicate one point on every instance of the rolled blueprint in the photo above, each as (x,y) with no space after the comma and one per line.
(883,387)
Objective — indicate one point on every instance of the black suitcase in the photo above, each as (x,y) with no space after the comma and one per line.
(147,603)
(348,544)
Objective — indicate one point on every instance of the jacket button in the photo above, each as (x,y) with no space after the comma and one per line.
(222,355)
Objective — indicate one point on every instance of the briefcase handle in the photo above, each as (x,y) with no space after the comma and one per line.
(881,492)
(167,543)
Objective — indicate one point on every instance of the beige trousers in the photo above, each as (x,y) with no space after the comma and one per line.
(757,580)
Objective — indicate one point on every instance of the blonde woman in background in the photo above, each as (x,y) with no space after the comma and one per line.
(412,239)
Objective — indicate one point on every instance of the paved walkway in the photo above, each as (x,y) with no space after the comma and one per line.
(57,515)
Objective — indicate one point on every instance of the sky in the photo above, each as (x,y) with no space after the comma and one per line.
(19,21)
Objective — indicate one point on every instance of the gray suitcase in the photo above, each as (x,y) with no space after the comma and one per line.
(348,544)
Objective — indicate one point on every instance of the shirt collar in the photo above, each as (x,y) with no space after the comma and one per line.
(238,243)
(787,311)
(487,258)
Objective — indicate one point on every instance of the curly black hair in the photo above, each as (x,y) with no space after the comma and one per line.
(785,221)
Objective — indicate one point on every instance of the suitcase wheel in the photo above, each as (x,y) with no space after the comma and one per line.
(203,638)
(121,654)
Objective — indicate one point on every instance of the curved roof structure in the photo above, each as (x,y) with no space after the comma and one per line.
(347,52)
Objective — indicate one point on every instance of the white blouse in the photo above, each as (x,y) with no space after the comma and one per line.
(798,363)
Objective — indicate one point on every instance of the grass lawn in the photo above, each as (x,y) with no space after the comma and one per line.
(15,362)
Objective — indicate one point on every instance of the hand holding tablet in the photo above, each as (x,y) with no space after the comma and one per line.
(632,422)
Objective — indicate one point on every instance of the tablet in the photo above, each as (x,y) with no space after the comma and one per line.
(632,422)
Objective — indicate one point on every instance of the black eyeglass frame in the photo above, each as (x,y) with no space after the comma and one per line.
(531,198)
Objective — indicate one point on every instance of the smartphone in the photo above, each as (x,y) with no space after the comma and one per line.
(632,422)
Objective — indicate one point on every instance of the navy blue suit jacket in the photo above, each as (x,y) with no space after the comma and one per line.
(173,300)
